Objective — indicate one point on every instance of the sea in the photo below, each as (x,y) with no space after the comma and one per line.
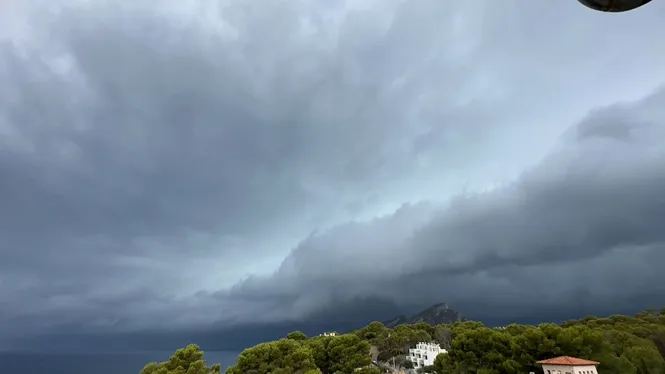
(97,363)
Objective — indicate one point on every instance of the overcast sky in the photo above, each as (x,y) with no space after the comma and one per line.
(199,166)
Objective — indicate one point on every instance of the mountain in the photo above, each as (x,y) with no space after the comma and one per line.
(434,315)
(399,320)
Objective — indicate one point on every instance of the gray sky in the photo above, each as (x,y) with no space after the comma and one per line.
(182,166)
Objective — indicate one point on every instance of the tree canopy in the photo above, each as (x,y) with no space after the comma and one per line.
(296,335)
(622,344)
(188,360)
(285,355)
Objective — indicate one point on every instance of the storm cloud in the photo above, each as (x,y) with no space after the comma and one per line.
(201,167)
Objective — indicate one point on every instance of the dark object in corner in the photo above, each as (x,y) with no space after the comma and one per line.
(614,6)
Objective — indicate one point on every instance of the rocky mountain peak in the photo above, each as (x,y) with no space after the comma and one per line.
(434,315)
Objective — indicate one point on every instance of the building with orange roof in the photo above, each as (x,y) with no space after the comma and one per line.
(568,365)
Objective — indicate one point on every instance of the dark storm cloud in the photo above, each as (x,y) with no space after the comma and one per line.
(158,164)
(583,226)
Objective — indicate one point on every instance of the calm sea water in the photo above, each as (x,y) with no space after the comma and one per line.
(97,363)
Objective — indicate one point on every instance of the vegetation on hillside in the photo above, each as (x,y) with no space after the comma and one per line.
(623,344)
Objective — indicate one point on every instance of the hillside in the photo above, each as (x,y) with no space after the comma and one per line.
(435,315)
(622,344)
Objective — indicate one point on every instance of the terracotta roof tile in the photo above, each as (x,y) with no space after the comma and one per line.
(568,361)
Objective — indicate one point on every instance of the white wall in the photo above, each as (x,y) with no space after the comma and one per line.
(564,369)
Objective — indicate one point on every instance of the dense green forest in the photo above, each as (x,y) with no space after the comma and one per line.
(622,344)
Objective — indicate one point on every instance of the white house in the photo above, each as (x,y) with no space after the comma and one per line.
(424,354)
(329,334)
(568,365)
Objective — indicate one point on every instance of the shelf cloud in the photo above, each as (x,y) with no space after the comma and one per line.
(193,168)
